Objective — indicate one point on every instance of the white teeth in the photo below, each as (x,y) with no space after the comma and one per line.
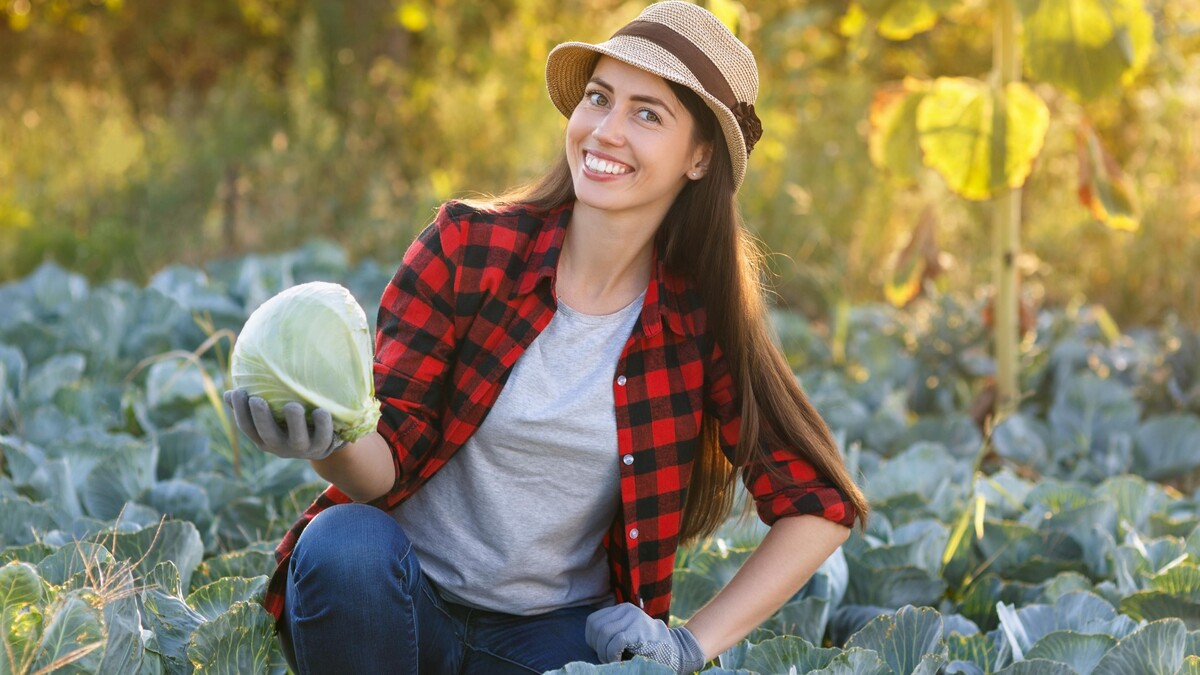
(603,166)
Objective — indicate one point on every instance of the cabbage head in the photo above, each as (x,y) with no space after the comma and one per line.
(311,344)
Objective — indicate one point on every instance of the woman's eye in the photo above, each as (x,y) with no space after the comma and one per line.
(596,98)
(650,116)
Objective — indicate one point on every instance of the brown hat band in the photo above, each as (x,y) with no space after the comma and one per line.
(704,69)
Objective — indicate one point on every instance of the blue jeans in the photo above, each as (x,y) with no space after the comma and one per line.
(357,602)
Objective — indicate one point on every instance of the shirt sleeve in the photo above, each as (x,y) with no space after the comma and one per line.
(785,484)
(415,344)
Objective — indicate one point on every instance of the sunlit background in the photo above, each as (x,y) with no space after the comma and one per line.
(140,133)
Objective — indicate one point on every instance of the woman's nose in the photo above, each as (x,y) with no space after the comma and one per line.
(608,130)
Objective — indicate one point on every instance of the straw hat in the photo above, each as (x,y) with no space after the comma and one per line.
(683,43)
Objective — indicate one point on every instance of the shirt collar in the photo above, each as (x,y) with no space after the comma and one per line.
(661,303)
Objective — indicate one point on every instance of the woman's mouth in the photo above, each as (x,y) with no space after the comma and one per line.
(604,166)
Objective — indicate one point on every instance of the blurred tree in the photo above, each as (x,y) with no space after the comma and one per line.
(982,138)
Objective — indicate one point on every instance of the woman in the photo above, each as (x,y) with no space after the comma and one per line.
(571,376)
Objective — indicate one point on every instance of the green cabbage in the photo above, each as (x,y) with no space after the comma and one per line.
(311,344)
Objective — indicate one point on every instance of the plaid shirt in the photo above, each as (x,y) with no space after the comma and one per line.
(473,292)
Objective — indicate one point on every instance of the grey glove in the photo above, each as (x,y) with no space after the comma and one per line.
(624,631)
(254,418)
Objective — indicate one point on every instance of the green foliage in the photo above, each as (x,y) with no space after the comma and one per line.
(134,543)
(301,119)
(1087,47)
(957,134)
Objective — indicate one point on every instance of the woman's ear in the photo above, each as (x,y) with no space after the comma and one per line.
(700,160)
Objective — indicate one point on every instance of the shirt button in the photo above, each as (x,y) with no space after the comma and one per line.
(633,534)
(628,459)
(620,380)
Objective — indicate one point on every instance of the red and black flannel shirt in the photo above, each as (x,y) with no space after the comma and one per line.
(473,292)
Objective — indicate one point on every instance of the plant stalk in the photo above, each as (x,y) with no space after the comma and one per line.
(1006,212)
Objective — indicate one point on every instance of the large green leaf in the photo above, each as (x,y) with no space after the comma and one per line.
(902,19)
(1018,551)
(978,649)
(1151,605)
(1003,492)
(125,649)
(1080,612)
(238,641)
(1058,496)
(14,368)
(805,618)
(19,585)
(1167,446)
(179,499)
(22,521)
(919,470)
(958,432)
(21,594)
(855,662)
(1087,612)
(21,457)
(1139,559)
(62,370)
(1081,652)
(955,126)
(174,540)
(164,577)
(251,562)
(1037,667)
(29,553)
(931,664)
(216,598)
(1136,499)
(173,623)
(54,483)
(88,561)
(73,639)
(245,521)
(1182,580)
(892,141)
(1087,47)
(779,654)
(1062,584)
(717,566)
(181,449)
(893,587)
(904,639)
(1154,649)
(119,479)
(1087,411)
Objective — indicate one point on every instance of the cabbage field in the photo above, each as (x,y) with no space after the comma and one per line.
(137,528)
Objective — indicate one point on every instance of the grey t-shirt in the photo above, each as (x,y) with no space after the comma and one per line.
(514,521)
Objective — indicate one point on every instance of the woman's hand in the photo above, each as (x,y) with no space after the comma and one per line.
(253,416)
(624,631)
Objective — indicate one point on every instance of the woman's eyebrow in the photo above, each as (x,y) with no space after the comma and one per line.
(641,98)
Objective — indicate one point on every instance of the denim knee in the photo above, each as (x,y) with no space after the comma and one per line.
(350,541)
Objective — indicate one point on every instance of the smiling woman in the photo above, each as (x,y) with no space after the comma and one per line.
(572,376)
(632,147)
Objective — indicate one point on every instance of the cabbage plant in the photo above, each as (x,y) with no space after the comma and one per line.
(311,343)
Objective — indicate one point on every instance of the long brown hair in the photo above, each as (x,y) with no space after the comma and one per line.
(703,230)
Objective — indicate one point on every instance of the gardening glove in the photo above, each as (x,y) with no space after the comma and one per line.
(624,631)
(254,418)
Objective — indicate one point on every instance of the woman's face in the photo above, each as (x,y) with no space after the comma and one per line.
(630,143)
